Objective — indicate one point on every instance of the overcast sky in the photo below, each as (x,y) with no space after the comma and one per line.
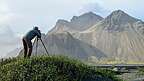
(21,15)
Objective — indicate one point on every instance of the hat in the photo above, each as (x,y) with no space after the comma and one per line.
(35,28)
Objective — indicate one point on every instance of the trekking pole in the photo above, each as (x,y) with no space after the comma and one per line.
(44,46)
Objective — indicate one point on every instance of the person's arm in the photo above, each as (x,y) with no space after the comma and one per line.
(38,33)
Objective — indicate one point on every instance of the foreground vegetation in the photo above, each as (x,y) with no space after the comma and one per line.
(140,72)
(51,68)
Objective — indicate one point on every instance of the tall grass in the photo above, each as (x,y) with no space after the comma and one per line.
(51,68)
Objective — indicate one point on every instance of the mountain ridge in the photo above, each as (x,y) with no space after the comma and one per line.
(77,23)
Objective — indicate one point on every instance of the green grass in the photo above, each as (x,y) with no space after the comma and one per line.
(140,71)
(51,68)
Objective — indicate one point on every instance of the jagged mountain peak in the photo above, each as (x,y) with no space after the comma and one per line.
(90,14)
(87,15)
(62,21)
(84,21)
(61,25)
(117,21)
(119,12)
(77,23)
(119,17)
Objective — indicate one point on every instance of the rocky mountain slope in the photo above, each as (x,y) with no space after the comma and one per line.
(119,36)
(64,43)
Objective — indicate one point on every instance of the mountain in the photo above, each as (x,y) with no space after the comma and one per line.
(117,21)
(77,23)
(119,36)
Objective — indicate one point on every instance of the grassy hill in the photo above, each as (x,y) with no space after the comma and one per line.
(51,68)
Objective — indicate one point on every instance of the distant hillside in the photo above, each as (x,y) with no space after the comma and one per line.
(53,68)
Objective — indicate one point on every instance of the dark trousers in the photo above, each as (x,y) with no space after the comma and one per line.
(27,47)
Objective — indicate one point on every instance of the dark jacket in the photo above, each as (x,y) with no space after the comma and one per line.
(32,33)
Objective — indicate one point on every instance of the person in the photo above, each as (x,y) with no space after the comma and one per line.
(27,44)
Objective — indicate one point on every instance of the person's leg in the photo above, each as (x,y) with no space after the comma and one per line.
(29,52)
(30,48)
(25,47)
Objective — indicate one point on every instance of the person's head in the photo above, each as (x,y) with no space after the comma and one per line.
(35,28)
